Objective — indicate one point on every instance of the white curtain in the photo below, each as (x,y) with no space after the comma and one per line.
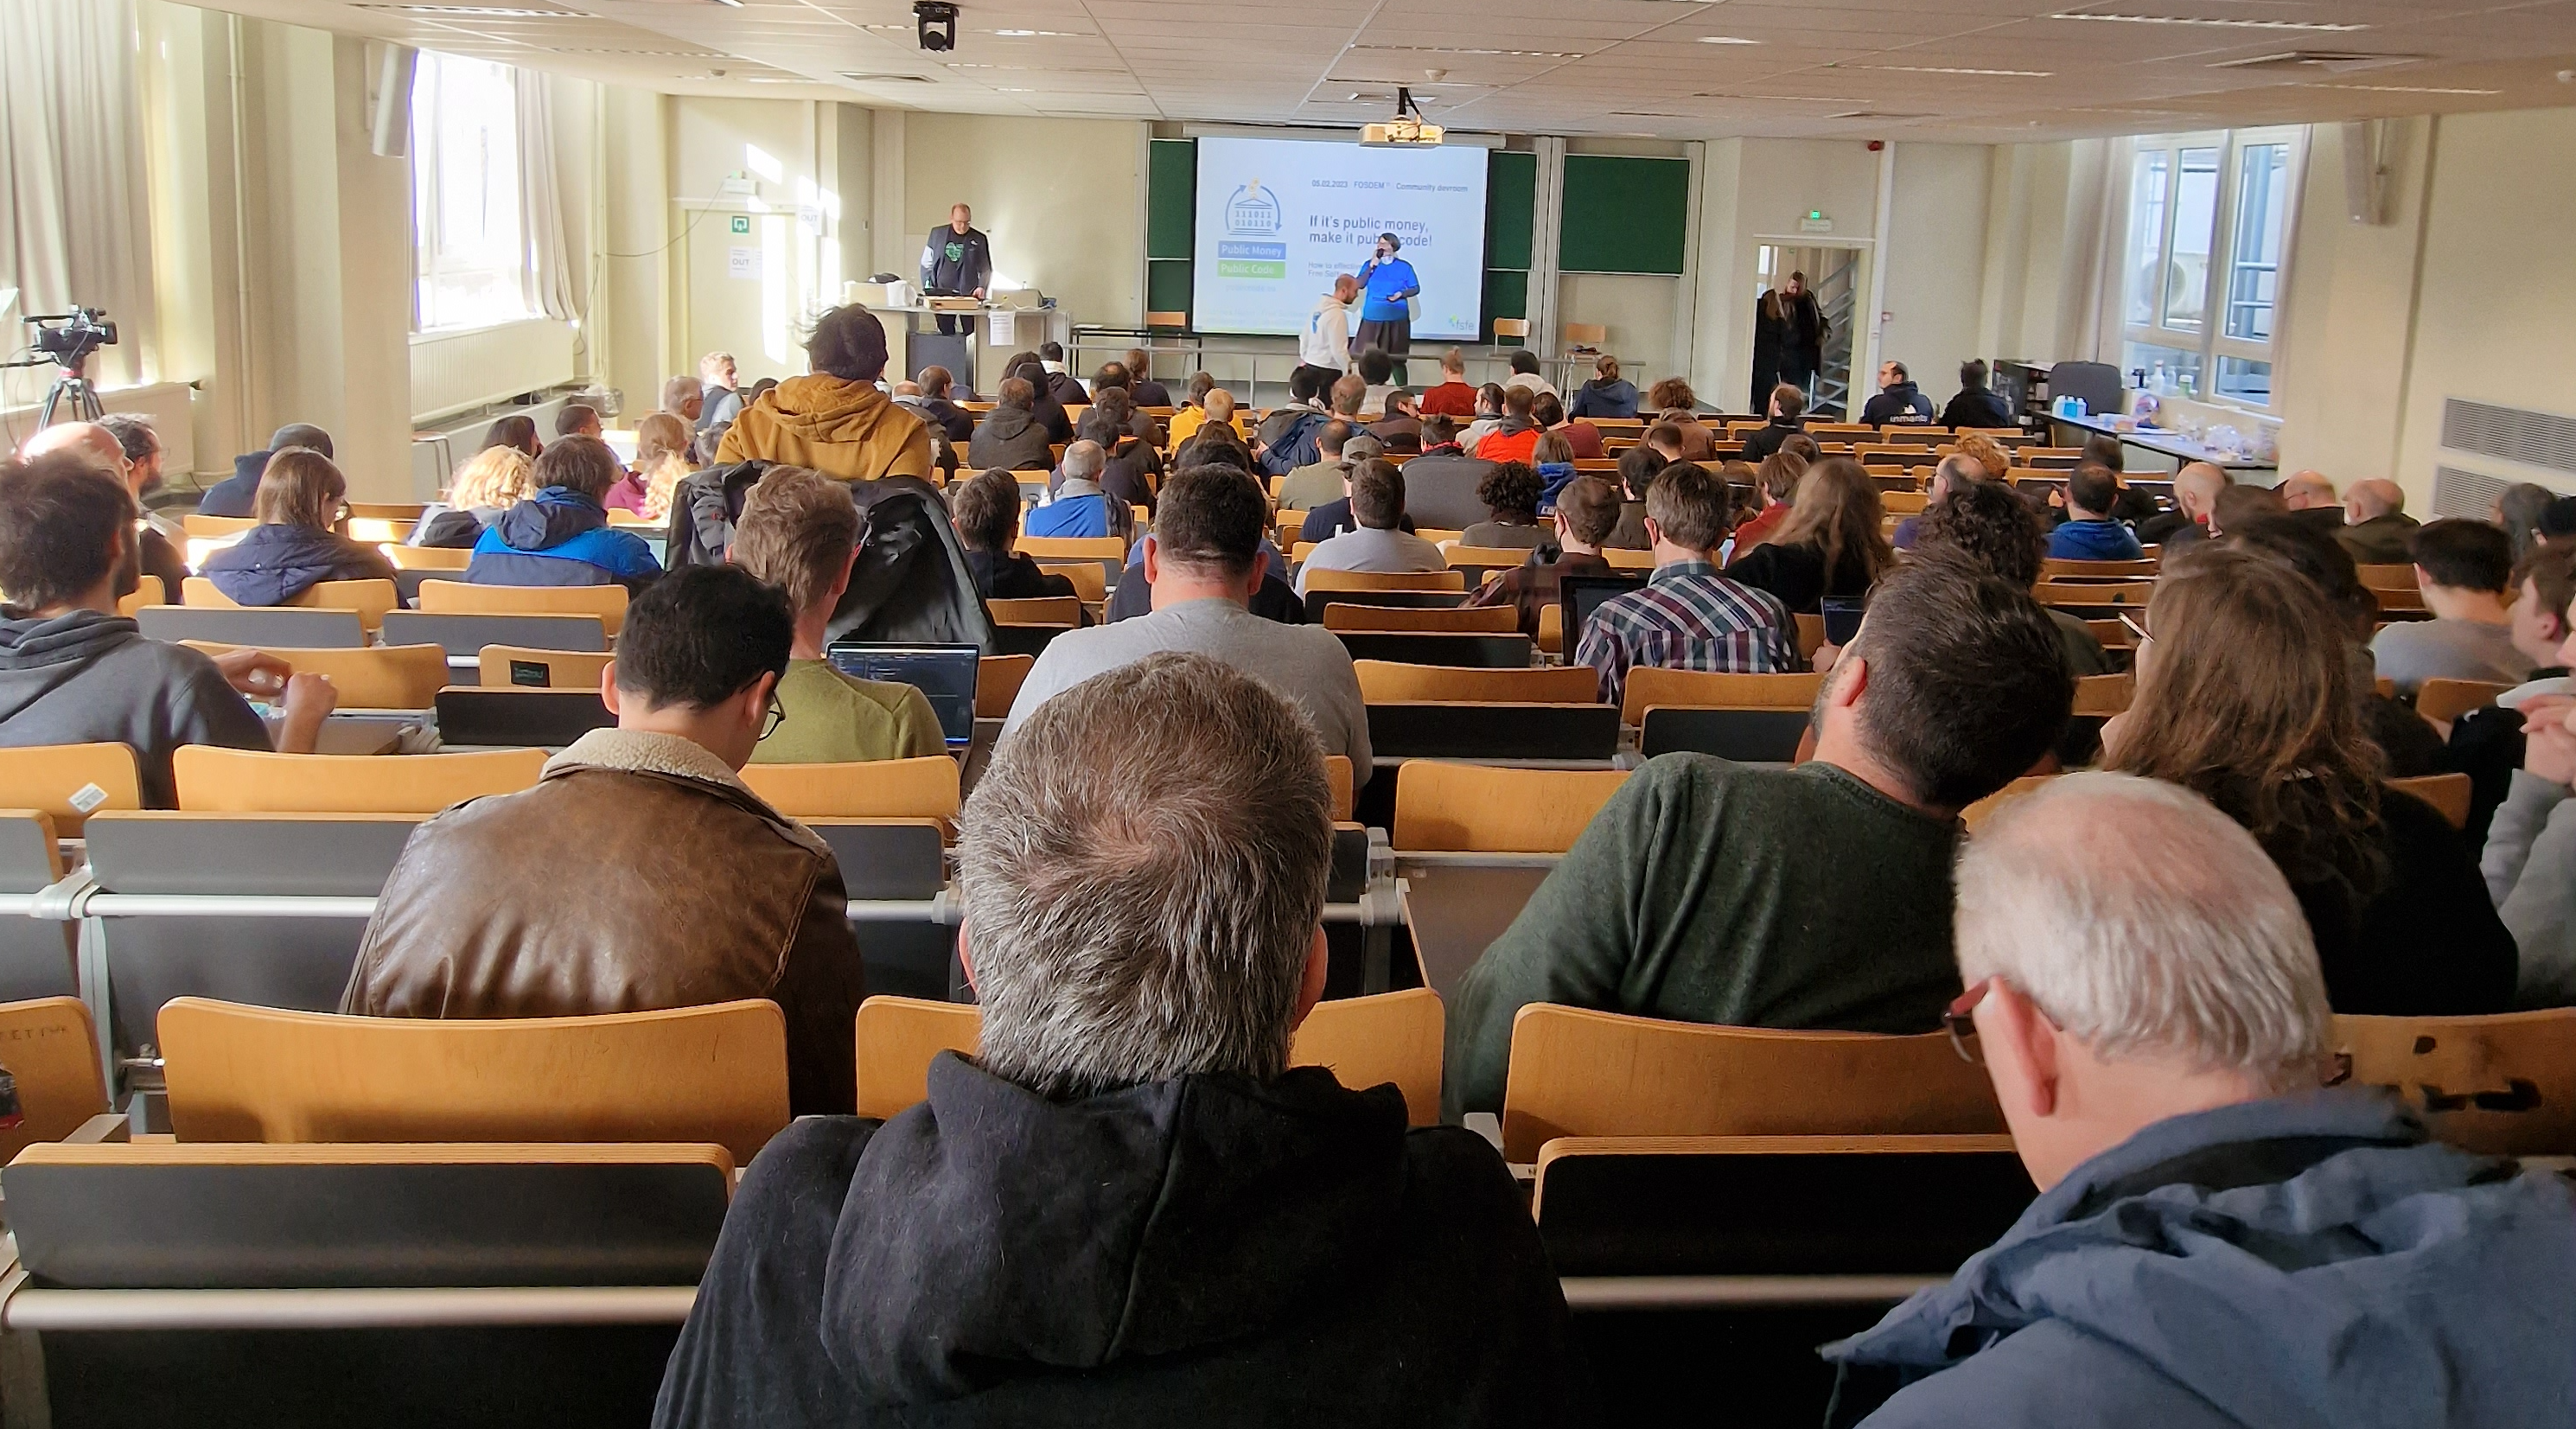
(74,226)
(2092,322)
(553,287)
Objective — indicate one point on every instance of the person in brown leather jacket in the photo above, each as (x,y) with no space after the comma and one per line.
(639,873)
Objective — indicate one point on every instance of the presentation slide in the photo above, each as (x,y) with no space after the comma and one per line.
(1277,218)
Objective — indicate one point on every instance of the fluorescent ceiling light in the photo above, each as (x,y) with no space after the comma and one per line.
(2231,23)
(1454,50)
(737,4)
(1946,69)
(2399,89)
(494,12)
(1043,34)
(1726,40)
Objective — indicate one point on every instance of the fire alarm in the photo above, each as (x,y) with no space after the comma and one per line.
(1877,144)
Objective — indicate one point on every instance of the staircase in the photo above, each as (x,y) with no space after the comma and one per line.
(1838,297)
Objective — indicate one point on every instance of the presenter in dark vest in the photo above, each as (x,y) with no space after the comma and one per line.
(956,261)
(1386,322)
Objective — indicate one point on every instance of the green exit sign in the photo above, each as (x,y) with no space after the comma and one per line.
(742,223)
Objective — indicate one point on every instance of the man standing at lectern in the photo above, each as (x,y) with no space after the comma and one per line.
(956,261)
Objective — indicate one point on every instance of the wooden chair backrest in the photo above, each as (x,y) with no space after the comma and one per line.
(1576,1072)
(1386,682)
(1477,808)
(608,602)
(1486,558)
(1649,687)
(370,599)
(51,1048)
(1903,503)
(148,590)
(46,778)
(716,1074)
(1811,635)
(1386,580)
(378,531)
(2449,793)
(1057,610)
(2104,695)
(565,669)
(1975,815)
(1622,559)
(924,788)
(2503,1084)
(2062,570)
(1337,784)
(1073,548)
(196,525)
(243,781)
(389,510)
(2396,577)
(2447,700)
(997,683)
(1389,1037)
(1090,582)
(1456,620)
(1551,628)
(430,558)
(377,677)
(2132,594)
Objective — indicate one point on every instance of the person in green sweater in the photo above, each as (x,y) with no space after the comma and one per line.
(800,531)
(1816,896)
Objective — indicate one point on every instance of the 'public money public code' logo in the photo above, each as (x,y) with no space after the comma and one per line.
(1252,210)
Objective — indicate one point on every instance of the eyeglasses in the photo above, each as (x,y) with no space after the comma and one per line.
(777,716)
(1961,1022)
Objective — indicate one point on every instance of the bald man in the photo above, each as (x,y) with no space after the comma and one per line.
(2196,489)
(100,448)
(2377,530)
(2311,498)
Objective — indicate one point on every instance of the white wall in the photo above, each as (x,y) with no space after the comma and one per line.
(1062,199)
(1935,262)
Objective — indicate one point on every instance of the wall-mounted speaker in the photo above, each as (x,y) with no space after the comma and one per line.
(2367,154)
(389,122)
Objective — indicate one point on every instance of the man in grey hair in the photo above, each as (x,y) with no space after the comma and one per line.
(2217,1242)
(1128,1208)
(1077,506)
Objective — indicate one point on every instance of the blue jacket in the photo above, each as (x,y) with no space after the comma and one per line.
(273,564)
(559,538)
(234,495)
(2302,1261)
(1604,399)
(1296,446)
(2094,541)
(1086,515)
(1554,477)
(1385,284)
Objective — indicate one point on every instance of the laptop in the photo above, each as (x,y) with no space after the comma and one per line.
(944,673)
(1582,595)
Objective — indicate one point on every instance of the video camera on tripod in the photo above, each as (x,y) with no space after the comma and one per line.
(69,343)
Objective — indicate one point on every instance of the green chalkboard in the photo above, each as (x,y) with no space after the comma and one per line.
(1511,192)
(1624,215)
(1171,193)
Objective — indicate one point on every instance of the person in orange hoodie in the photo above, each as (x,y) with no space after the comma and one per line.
(834,420)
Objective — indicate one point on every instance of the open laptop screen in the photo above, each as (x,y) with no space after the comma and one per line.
(1582,595)
(944,673)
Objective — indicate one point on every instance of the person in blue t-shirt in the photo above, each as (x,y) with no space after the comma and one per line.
(1385,322)
(2089,533)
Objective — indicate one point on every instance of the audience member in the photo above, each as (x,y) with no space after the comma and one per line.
(1991,527)
(2196,490)
(1775,486)
(835,419)
(1206,398)
(123,446)
(2309,491)
(73,671)
(1689,617)
(293,548)
(1897,400)
(2216,1242)
(1139,999)
(1582,438)
(1400,430)
(1986,452)
(1214,442)
(2406,742)
(1517,434)
(2377,529)
(492,481)
(237,496)
(1296,447)
(720,399)
(1143,387)
(1062,387)
(2089,533)
(1638,467)
(799,532)
(1440,485)
(986,512)
(1129,465)
(1678,902)
(2241,505)
(1043,407)
(937,404)
(1452,396)
(1378,541)
(661,464)
(1605,394)
(1010,437)
(480,919)
(2245,697)
(1788,417)
(1677,405)
(685,398)
(1553,459)
(2487,743)
(1511,496)
(1078,507)
(2465,571)
(1489,416)
(2518,512)
(1586,512)
(561,536)
(576,419)
(1525,375)
(1203,565)
(1953,474)
(1324,348)
(1338,516)
(1319,481)
(2530,849)
(1975,406)
(1376,368)
(1831,545)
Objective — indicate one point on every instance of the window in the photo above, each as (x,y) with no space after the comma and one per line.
(2209,216)
(469,245)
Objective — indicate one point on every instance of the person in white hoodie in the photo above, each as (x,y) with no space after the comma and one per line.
(1326,343)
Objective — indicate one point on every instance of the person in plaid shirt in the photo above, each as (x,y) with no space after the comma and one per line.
(1688,617)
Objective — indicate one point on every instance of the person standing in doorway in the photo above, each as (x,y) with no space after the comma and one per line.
(956,261)
(1386,317)
(1797,326)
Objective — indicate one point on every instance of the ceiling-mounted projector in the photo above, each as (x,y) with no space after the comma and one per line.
(1405,128)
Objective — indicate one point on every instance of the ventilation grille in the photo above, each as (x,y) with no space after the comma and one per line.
(2532,438)
(2465,493)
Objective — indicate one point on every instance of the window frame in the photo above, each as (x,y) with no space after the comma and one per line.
(2210,340)
(430,250)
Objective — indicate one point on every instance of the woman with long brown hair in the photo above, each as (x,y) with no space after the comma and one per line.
(294,548)
(1830,545)
(2245,697)
(661,464)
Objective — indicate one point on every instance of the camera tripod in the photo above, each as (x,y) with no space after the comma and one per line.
(73,387)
